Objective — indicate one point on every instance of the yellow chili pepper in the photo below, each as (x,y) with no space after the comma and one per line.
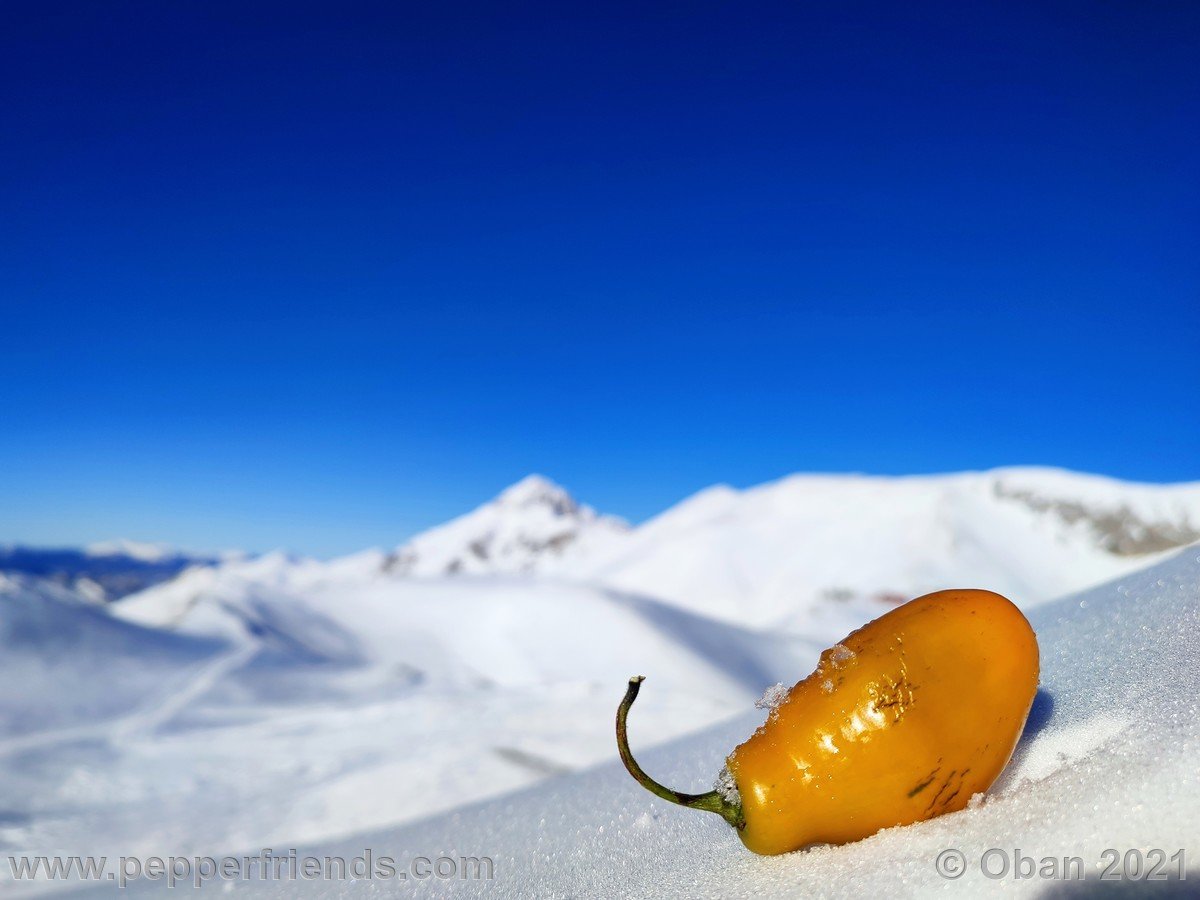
(904,720)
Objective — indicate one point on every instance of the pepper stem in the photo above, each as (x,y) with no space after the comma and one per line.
(709,802)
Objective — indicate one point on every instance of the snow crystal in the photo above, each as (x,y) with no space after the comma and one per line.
(840,654)
(727,787)
(831,660)
(772,698)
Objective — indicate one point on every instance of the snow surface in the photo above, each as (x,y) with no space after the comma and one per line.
(280,714)
(1110,759)
(53,647)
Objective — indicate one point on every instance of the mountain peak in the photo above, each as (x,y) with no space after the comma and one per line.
(530,526)
(537,490)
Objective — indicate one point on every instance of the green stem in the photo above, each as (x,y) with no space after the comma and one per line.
(709,802)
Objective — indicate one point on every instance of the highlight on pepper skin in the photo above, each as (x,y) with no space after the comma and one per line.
(906,719)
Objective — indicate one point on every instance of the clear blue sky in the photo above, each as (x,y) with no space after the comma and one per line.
(319,276)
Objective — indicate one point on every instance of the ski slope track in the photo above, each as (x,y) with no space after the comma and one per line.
(69,669)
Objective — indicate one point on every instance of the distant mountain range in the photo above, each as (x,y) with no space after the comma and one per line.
(796,553)
(100,572)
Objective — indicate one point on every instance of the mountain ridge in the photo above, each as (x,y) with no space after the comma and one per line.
(775,554)
(788,553)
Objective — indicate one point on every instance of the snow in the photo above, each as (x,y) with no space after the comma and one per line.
(528,527)
(53,646)
(299,706)
(282,700)
(839,655)
(772,697)
(813,555)
(1108,760)
(820,554)
(726,786)
(1048,753)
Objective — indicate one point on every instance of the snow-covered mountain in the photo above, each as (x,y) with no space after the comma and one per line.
(65,662)
(103,571)
(205,599)
(530,527)
(811,553)
(533,527)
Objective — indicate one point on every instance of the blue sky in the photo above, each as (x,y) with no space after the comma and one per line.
(319,276)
